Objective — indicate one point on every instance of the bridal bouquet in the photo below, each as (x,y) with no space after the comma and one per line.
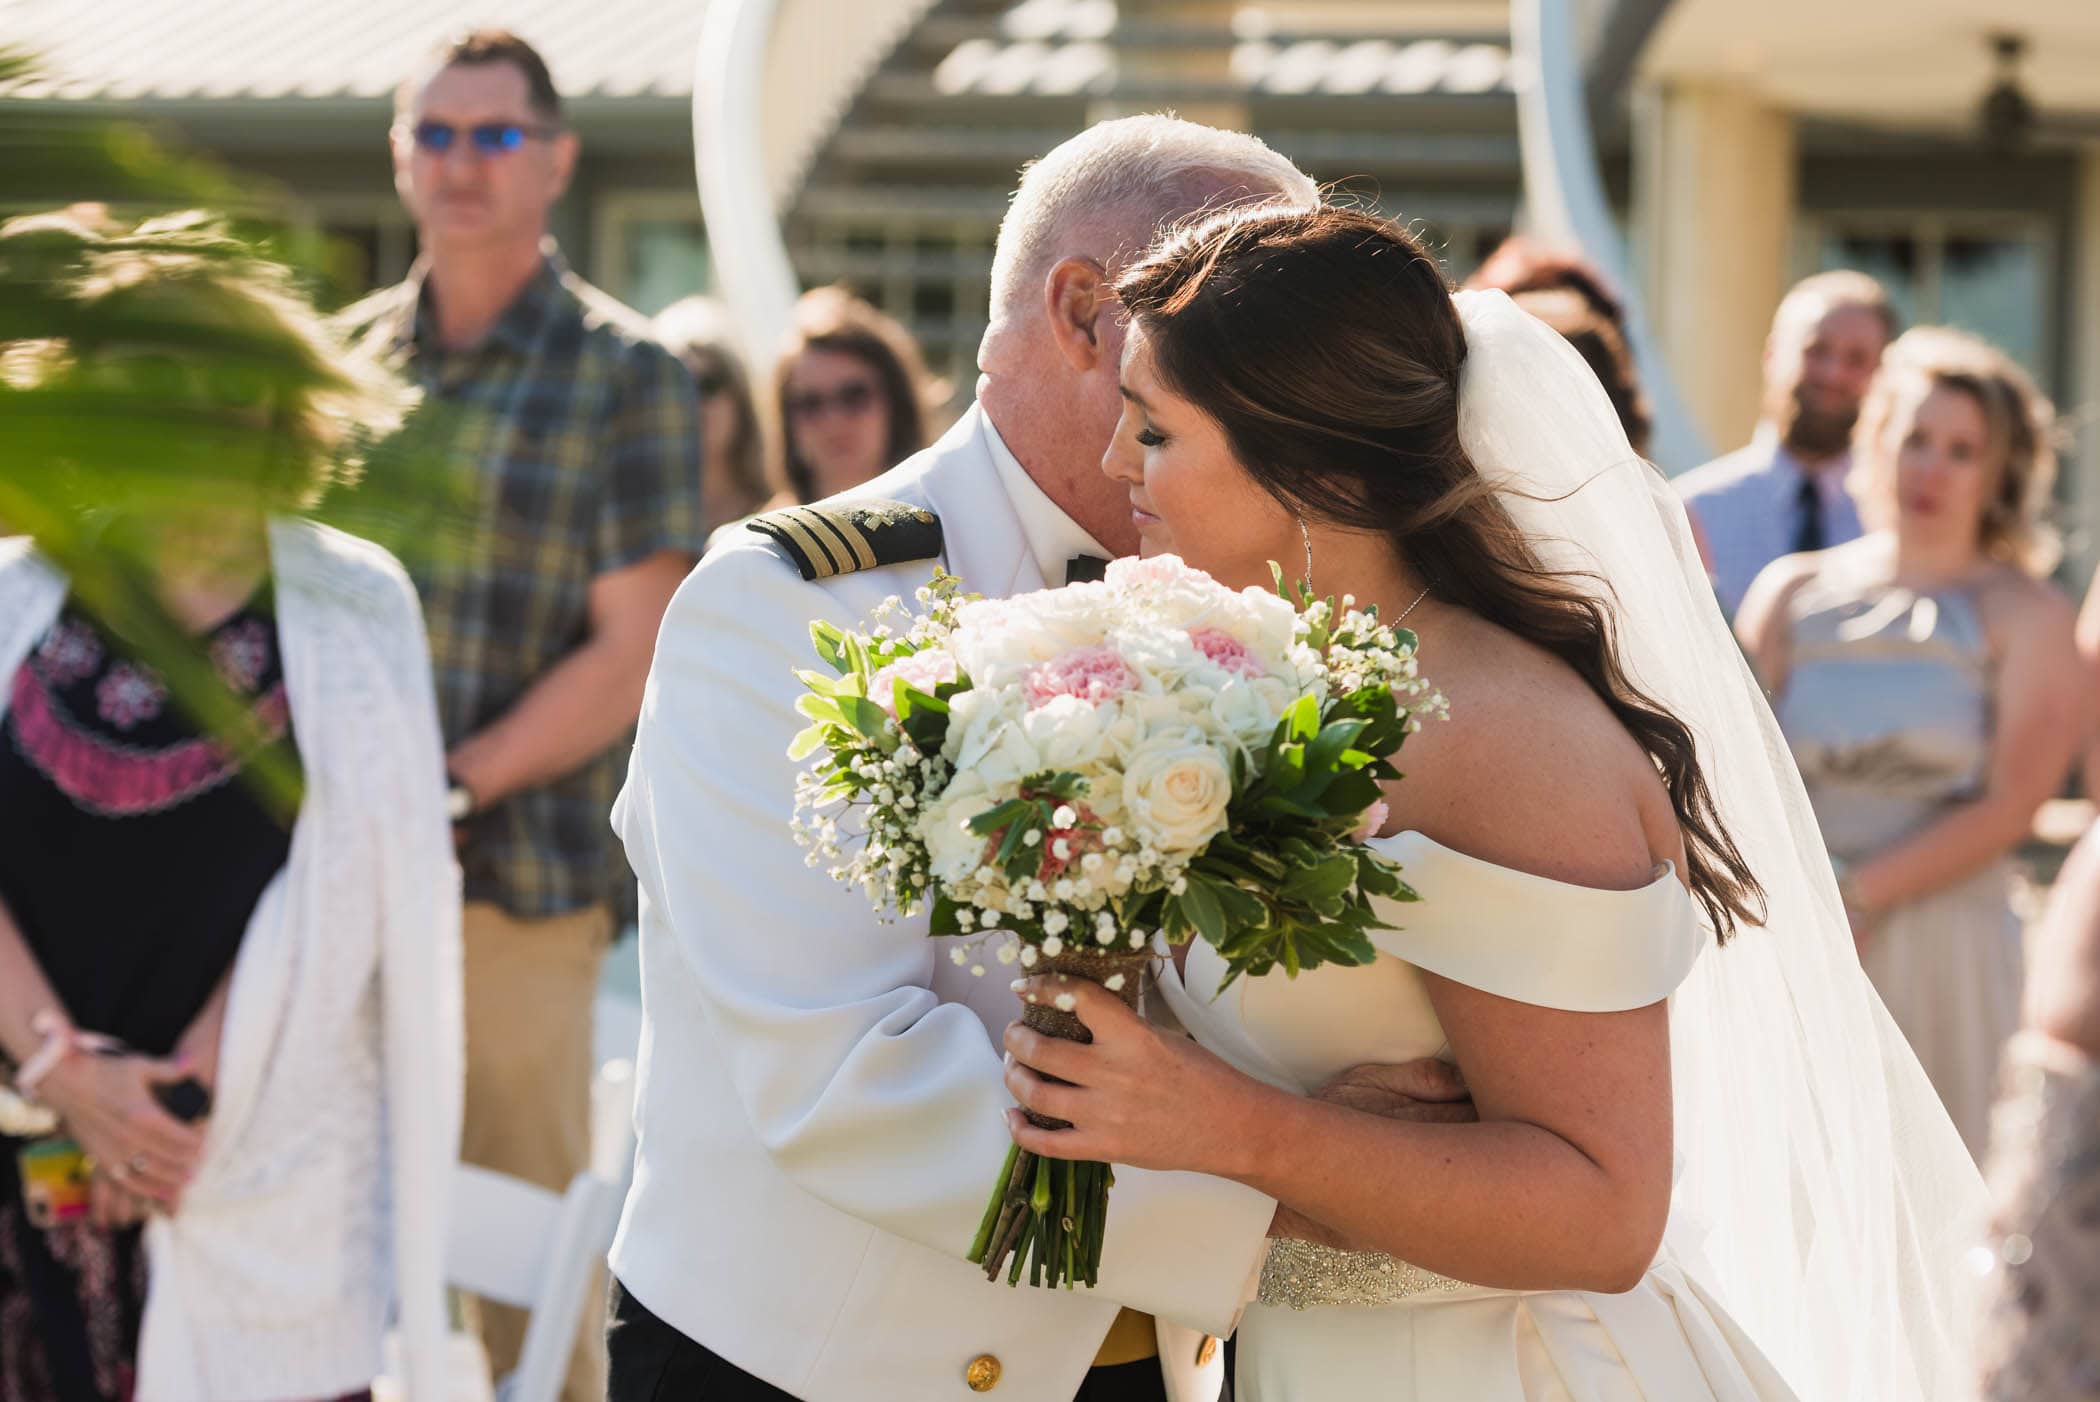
(1060,778)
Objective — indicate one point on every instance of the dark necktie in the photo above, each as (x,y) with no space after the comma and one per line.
(1085,568)
(1808,516)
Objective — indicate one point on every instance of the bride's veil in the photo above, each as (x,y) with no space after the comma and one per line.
(1819,1180)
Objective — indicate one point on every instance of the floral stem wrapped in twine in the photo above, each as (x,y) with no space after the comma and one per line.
(1054,1210)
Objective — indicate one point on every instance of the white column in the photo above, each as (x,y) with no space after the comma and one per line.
(2082,466)
(1715,191)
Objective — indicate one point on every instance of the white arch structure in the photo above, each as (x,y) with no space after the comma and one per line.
(771,81)
(1564,198)
(774,76)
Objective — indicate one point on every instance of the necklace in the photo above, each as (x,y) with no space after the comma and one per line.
(1411,607)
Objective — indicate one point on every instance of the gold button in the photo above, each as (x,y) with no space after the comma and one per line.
(983,1373)
(1206,1351)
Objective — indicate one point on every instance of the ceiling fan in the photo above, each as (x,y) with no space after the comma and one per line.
(2008,118)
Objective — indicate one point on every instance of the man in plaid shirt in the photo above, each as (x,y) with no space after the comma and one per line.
(580,438)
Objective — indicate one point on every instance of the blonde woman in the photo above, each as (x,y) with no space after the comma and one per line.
(1926,679)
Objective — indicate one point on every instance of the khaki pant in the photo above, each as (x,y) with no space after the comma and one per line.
(530,989)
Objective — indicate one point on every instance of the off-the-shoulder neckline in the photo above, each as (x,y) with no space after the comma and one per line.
(1665,870)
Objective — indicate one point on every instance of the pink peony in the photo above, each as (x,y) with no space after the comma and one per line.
(1227,651)
(1153,572)
(1093,674)
(923,671)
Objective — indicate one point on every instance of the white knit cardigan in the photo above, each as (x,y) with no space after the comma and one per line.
(321,1198)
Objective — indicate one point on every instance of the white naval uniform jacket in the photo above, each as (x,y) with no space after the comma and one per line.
(820,1103)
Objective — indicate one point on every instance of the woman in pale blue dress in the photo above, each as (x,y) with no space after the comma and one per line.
(1927,681)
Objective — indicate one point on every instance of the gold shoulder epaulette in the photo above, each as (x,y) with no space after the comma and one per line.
(839,537)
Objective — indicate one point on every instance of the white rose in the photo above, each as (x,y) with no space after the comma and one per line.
(1264,622)
(1175,791)
(1248,710)
(955,851)
(988,729)
(1066,731)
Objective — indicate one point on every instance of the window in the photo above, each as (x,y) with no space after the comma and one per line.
(650,248)
(368,242)
(1989,275)
(931,270)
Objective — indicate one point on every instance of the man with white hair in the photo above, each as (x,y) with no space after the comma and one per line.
(821,1107)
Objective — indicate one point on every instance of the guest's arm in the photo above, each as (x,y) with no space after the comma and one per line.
(199,1047)
(2039,705)
(2063,982)
(106,1101)
(2089,656)
(1764,622)
(586,701)
(647,534)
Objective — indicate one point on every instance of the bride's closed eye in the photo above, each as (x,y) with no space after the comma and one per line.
(1151,437)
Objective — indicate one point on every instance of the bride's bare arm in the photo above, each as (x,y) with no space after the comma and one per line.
(1564,1183)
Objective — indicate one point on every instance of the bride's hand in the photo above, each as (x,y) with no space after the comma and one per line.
(1134,1095)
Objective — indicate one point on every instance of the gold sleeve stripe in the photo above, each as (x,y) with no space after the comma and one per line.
(848,535)
(822,563)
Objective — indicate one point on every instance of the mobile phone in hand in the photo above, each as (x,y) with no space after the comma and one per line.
(187,1099)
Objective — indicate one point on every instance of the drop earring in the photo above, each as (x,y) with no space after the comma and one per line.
(1305,535)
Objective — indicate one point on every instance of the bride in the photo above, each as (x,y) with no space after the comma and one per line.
(1705,1164)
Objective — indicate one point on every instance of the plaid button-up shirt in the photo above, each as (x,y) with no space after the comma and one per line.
(580,438)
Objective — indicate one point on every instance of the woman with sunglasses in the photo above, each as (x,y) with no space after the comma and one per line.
(230,1048)
(852,393)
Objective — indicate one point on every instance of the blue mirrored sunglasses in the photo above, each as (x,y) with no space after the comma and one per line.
(489,138)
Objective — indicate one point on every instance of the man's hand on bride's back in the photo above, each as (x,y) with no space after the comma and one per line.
(1426,1091)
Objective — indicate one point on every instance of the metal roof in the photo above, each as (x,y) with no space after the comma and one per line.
(271,50)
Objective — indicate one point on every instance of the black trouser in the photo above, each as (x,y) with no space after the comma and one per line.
(652,1362)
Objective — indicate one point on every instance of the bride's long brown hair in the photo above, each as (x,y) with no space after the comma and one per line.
(1325,343)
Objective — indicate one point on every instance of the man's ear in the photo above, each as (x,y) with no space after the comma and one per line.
(1075,298)
(566,149)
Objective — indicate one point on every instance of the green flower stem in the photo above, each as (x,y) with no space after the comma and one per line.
(993,1209)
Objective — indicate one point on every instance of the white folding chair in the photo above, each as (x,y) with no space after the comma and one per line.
(612,1122)
(517,1243)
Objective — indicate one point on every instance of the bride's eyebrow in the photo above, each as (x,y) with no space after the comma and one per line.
(1133,396)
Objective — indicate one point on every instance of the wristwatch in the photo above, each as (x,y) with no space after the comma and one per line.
(459,801)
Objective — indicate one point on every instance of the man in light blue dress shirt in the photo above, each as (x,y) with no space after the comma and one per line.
(1785,492)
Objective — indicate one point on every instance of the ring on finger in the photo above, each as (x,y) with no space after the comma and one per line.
(136,1163)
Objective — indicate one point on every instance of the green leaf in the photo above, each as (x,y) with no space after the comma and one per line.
(1326,749)
(910,698)
(1303,717)
(806,743)
(999,816)
(817,682)
(1201,907)
(821,710)
(1242,907)
(1323,882)
(830,643)
(869,719)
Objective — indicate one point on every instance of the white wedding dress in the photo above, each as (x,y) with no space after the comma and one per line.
(1336,1326)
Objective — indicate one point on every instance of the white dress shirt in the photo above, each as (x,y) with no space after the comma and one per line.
(1747,504)
(1053,537)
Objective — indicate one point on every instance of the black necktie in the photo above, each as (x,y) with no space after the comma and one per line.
(1808,517)
(1085,567)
